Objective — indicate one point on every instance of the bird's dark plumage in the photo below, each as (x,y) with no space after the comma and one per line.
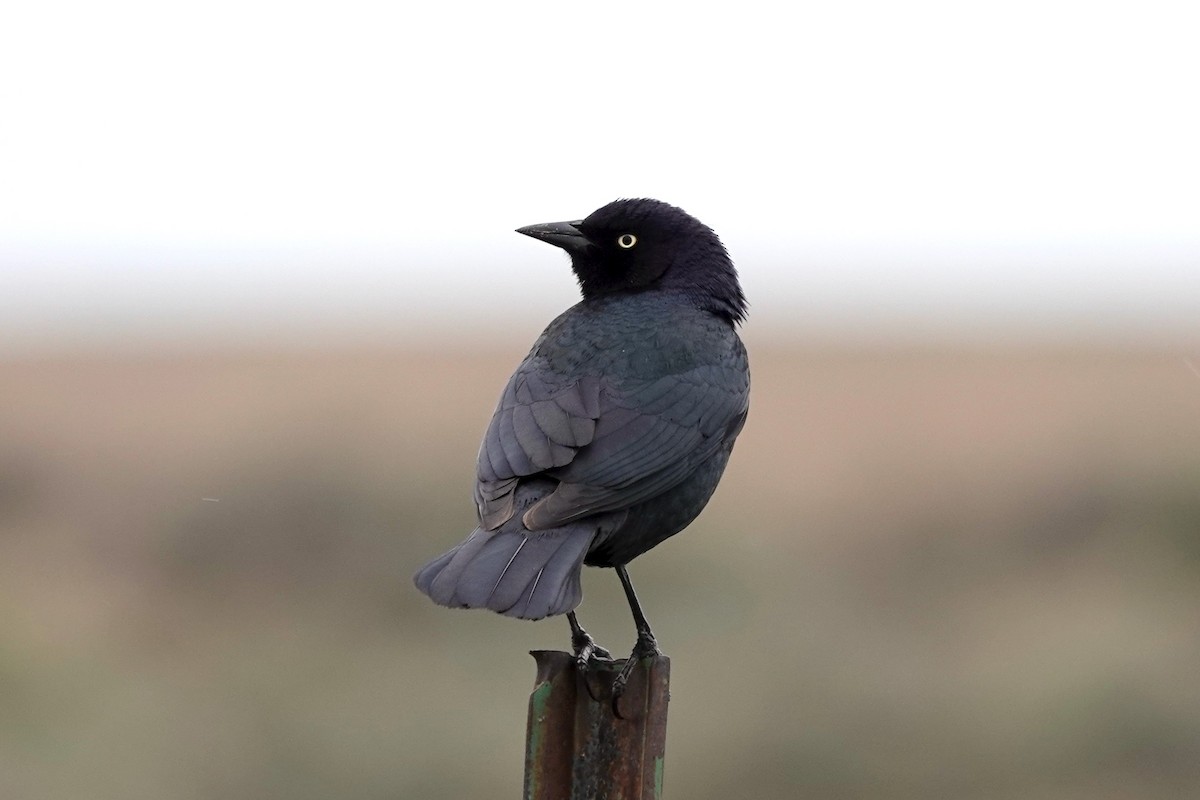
(614,431)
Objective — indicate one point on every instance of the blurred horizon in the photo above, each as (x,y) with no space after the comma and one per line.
(374,302)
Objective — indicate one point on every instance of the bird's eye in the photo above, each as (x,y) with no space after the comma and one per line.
(626,241)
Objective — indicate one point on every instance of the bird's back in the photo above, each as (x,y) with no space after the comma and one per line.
(671,387)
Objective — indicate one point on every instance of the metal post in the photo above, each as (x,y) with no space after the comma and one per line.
(577,749)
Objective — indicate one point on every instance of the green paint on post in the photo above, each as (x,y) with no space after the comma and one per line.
(658,777)
(537,728)
(541,696)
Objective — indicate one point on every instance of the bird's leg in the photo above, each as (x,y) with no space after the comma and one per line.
(646,645)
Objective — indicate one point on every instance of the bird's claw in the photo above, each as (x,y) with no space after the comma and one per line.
(646,647)
(586,652)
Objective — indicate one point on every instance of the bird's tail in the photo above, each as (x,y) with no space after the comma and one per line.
(517,573)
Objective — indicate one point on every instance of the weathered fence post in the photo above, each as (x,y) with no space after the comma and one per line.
(577,749)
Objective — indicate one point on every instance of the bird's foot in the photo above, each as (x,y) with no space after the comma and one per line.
(646,647)
(586,652)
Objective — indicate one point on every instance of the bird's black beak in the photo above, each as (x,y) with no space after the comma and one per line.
(560,234)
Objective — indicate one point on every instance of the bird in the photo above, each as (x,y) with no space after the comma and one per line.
(612,434)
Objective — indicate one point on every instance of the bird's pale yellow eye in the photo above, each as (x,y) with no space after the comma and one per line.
(626,241)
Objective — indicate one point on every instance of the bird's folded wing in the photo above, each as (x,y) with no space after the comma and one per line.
(540,423)
(611,446)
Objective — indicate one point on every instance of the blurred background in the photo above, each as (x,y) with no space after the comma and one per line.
(259,291)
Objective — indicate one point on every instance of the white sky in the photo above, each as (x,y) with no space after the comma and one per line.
(255,166)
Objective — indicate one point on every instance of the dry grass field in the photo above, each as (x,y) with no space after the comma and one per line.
(963,574)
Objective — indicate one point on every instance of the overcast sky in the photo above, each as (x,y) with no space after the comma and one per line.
(258,167)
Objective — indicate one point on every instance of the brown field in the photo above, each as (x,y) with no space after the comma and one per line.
(966,574)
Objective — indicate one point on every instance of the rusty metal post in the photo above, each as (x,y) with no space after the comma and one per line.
(577,749)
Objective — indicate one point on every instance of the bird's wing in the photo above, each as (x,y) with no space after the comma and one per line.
(611,446)
(650,436)
(541,422)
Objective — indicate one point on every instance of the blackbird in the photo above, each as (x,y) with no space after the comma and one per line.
(613,432)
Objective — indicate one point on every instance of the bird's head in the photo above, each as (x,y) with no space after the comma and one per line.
(643,245)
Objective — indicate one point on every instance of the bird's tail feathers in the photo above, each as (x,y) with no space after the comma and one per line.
(519,574)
